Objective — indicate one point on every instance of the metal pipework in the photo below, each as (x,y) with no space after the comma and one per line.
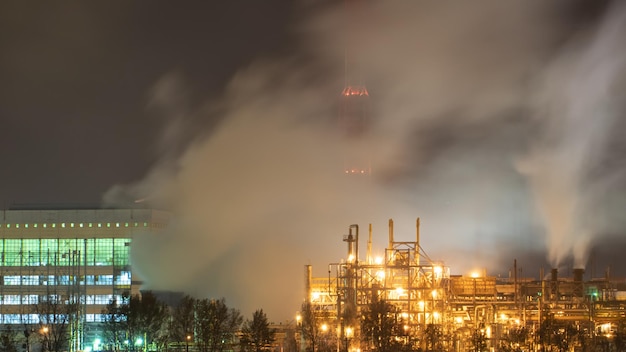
(417,241)
(353,242)
(390,234)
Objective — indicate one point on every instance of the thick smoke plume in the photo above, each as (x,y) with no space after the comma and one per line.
(490,121)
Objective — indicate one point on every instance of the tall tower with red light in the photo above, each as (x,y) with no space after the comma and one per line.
(354,111)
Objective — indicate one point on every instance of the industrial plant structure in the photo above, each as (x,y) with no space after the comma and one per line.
(60,267)
(435,310)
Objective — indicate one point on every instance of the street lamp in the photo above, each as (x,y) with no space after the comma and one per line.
(475,275)
(187,342)
(349,334)
(139,342)
(46,342)
(299,334)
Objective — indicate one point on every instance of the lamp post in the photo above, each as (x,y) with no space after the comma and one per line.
(348,334)
(299,335)
(324,339)
(187,342)
(46,342)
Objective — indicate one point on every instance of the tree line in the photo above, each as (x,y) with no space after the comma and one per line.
(143,322)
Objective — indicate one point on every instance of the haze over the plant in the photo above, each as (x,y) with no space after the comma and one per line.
(495,123)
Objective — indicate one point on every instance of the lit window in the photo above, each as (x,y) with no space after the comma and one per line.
(62,224)
(35,225)
(17,226)
(145,224)
(45,225)
(54,225)
(126,225)
(81,224)
(108,224)
(136,224)
(26,225)
(8,226)
(99,225)
(117,224)
(90,225)
(72,224)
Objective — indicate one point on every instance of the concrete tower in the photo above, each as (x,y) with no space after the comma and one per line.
(354,111)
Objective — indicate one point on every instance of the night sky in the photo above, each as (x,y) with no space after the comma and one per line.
(77,80)
(498,124)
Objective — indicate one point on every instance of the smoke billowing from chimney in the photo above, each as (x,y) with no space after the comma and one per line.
(485,124)
(578,102)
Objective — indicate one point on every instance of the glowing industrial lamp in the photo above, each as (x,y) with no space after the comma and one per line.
(139,342)
(349,332)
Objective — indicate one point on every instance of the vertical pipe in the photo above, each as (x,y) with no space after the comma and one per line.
(369,247)
(308,280)
(390,234)
(350,241)
(515,281)
(356,239)
(417,241)
(417,232)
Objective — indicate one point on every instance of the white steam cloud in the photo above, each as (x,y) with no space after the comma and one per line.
(481,125)
(579,102)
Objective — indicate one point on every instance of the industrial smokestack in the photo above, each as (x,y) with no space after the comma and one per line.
(417,231)
(578,275)
(308,279)
(554,284)
(578,282)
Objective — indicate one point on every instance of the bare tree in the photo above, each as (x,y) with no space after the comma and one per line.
(216,325)
(55,316)
(310,326)
(146,319)
(257,336)
(183,321)
(115,325)
(380,326)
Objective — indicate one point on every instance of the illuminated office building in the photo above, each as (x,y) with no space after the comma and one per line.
(57,258)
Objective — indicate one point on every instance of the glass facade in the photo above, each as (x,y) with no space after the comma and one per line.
(65,252)
(69,256)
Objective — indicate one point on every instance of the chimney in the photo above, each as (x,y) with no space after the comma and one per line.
(554,284)
(578,282)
